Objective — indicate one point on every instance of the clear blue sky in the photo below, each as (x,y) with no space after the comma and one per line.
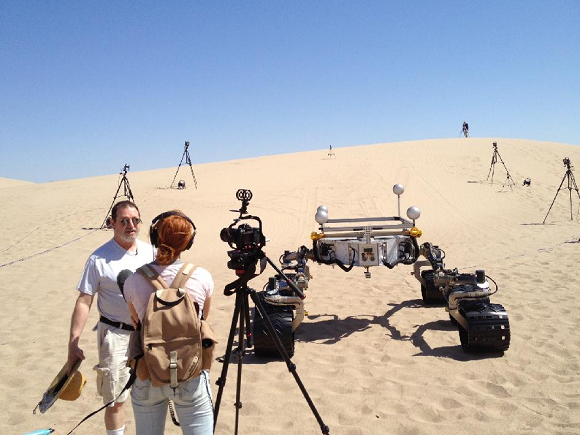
(87,86)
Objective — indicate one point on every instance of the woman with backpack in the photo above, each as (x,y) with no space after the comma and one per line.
(171,233)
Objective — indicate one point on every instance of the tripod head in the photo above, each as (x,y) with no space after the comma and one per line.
(125,169)
(244,237)
(246,243)
(494,145)
(567,163)
(186,144)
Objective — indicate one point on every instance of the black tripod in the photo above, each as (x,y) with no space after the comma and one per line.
(510,182)
(241,318)
(571,185)
(126,192)
(188,161)
(247,244)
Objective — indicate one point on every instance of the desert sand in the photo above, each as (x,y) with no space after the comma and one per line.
(373,358)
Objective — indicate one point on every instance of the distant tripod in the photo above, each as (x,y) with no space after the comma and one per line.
(126,189)
(188,161)
(571,185)
(510,181)
(331,153)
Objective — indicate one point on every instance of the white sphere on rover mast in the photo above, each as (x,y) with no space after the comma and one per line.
(398,189)
(413,212)
(321,215)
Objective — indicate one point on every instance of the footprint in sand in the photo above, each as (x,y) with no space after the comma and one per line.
(496,390)
(451,404)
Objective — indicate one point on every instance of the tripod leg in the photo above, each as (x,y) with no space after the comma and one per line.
(112,204)
(575,187)
(128,192)
(291,366)
(554,200)
(572,186)
(224,374)
(249,333)
(509,177)
(244,315)
(188,160)
(492,167)
(178,166)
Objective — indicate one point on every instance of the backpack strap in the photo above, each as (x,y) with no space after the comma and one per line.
(159,283)
(183,275)
(153,277)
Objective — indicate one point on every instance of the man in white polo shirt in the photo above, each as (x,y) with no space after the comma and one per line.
(122,252)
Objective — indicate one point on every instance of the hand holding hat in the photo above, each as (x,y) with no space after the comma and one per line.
(66,386)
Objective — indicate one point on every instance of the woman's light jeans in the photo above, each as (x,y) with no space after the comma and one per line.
(192,400)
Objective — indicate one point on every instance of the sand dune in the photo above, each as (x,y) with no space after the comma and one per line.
(10,182)
(373,358)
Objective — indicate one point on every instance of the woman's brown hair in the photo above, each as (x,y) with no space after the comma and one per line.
(174,233)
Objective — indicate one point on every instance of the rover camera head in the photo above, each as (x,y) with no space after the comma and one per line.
(413,213)
(321,215)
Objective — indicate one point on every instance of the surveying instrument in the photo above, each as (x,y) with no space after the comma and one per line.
(509,181)
(126,192)
(188,161)
(571,186)
(331,153)
(247,243)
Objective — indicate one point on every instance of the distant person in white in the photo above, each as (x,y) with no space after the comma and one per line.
(122,252)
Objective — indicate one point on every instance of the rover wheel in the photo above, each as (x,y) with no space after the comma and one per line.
(429,291)
(489,329)
(281,318)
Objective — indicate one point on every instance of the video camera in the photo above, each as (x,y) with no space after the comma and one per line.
(567,162)
(125,168)
(243,237)
(246,241)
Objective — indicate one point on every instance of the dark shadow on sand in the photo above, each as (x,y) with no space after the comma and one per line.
(334,329)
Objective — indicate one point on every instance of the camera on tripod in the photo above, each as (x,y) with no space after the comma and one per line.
(566,161)
(243,237)
(125,168)
(246,241)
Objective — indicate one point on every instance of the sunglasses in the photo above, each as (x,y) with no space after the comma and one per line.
(135,221)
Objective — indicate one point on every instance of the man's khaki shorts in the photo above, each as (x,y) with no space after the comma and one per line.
(112,371)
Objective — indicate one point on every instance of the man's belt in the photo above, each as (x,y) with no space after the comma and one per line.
(116,324)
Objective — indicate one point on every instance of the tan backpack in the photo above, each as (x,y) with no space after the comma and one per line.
(171,330)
